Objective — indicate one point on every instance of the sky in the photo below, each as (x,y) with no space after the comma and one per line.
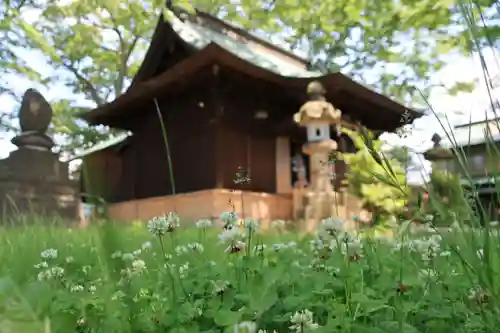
(458,109)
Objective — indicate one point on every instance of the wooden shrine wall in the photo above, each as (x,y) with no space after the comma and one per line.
(101,174)
(191,140)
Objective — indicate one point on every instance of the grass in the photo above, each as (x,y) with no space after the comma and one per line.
(208,279)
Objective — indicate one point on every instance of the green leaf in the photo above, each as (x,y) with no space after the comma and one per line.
(226,318)
(394,327)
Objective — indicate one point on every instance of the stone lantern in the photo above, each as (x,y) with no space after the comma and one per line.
(439,154)
(318,116)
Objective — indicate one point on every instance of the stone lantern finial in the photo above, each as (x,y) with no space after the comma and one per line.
(317,109)
(438,152)
(436,140)
(316,91)
(35,116)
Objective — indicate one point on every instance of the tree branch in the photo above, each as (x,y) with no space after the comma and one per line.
(90,87)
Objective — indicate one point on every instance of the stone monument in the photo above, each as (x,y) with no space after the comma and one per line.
(32,179)
(318,115)
(438,152)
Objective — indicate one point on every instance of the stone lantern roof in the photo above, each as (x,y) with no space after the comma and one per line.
(317,109)
(438,152)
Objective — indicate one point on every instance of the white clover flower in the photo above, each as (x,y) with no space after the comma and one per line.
(138,265)
(49,254)
(118,295)
(86,269)
(116,255)
(128,257)
(196,247)
(42,276)
(251,225)
(228,219)
(57,271)
(146,246)
(427,247)
(245,327)
(350,245)
(445,254)
(137,252)
(236,247)
(230,235)
(181,249)
(316,244)
(477,294)
(279,246)
(220,286)
(203,224)
(428,218)
(302,321)
(160,225)
(42,264)
(92,289)
(50,273)
(183,269)
(260,248)
(278,224)
(330,227)
(77,288)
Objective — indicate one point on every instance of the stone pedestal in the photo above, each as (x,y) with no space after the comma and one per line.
(320,197)
(32,179)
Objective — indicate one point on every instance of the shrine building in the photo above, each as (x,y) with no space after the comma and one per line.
(224,99)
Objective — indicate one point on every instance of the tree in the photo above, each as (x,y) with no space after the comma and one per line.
(91,47)
(9,59)
(404,40)
(96,46)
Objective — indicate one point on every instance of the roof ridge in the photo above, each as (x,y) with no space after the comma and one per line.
(179,12)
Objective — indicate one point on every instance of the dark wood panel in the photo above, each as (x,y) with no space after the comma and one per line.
(236,152)
(263,164)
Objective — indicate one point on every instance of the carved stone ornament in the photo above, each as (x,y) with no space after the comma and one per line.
(317,109)
(35,113)
(35,116)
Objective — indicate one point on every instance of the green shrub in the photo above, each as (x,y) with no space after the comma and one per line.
(379,181)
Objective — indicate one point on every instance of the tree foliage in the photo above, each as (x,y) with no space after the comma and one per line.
(96,46)
(380,182)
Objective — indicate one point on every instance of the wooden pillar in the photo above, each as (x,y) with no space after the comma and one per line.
(283,165)
(218,108)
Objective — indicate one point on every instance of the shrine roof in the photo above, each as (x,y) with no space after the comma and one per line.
(200,35)
(118,139)
(217,42)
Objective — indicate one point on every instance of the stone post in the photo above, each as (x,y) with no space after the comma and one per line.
(32,179)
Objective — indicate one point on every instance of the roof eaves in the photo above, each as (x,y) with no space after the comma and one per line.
(101,146)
